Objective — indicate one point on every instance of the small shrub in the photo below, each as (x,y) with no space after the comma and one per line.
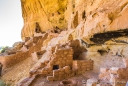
(2,83)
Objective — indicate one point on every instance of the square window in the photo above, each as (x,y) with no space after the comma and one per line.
(55,67)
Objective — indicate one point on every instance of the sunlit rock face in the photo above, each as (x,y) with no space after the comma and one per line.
(86,17)
(48,14)
(61,36)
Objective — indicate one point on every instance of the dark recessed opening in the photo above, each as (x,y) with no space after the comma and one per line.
(102,52)
(38,28)
(83,15)
(57,30)
(55,67)
(67,82)
(101,38)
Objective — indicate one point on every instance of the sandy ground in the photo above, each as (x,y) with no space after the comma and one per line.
(81,79)
(20,70)
(14,74)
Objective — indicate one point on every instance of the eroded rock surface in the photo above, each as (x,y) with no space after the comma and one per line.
(85,17)
(65,38)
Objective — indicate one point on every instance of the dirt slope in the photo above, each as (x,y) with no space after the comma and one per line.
(17,72)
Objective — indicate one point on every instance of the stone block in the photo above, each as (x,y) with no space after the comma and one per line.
(55,72)
(65,58)
(44,72)
(68,71)
(83,67)
(50,78)
(57,62)
(88,68)
(70,51)
(65,52)
(84,64)
(56,77)
(61,70)
(63,63)
(50,63)
(60,59)
(62,76)
(60,73)
(58,56)
(50,69)
(70,55)
(59,51)
(75,67)
(66,68)
(69,63)
(34,57)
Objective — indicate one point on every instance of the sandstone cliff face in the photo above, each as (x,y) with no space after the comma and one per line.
(72,36)
(48,14)
(86,17)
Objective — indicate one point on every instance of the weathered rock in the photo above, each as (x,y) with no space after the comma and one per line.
(76,30)
(86,17)
(18,45)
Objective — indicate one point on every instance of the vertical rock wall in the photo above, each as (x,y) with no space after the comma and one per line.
(87,17)
(48,14)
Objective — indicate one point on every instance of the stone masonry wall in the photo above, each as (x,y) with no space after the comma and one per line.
(80,66)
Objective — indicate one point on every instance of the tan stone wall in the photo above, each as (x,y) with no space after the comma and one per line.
(80,66)
(63,57)
(60,74)
(10,60)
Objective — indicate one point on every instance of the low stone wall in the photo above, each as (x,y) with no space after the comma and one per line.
(60,74)
(60,64)
(10,60)
(80,66)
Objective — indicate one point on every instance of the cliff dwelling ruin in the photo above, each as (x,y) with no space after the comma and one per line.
(70,43)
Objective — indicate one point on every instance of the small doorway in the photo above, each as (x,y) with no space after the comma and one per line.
(55,67)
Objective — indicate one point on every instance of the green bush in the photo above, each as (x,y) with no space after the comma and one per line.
(3,48)
(2,83)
